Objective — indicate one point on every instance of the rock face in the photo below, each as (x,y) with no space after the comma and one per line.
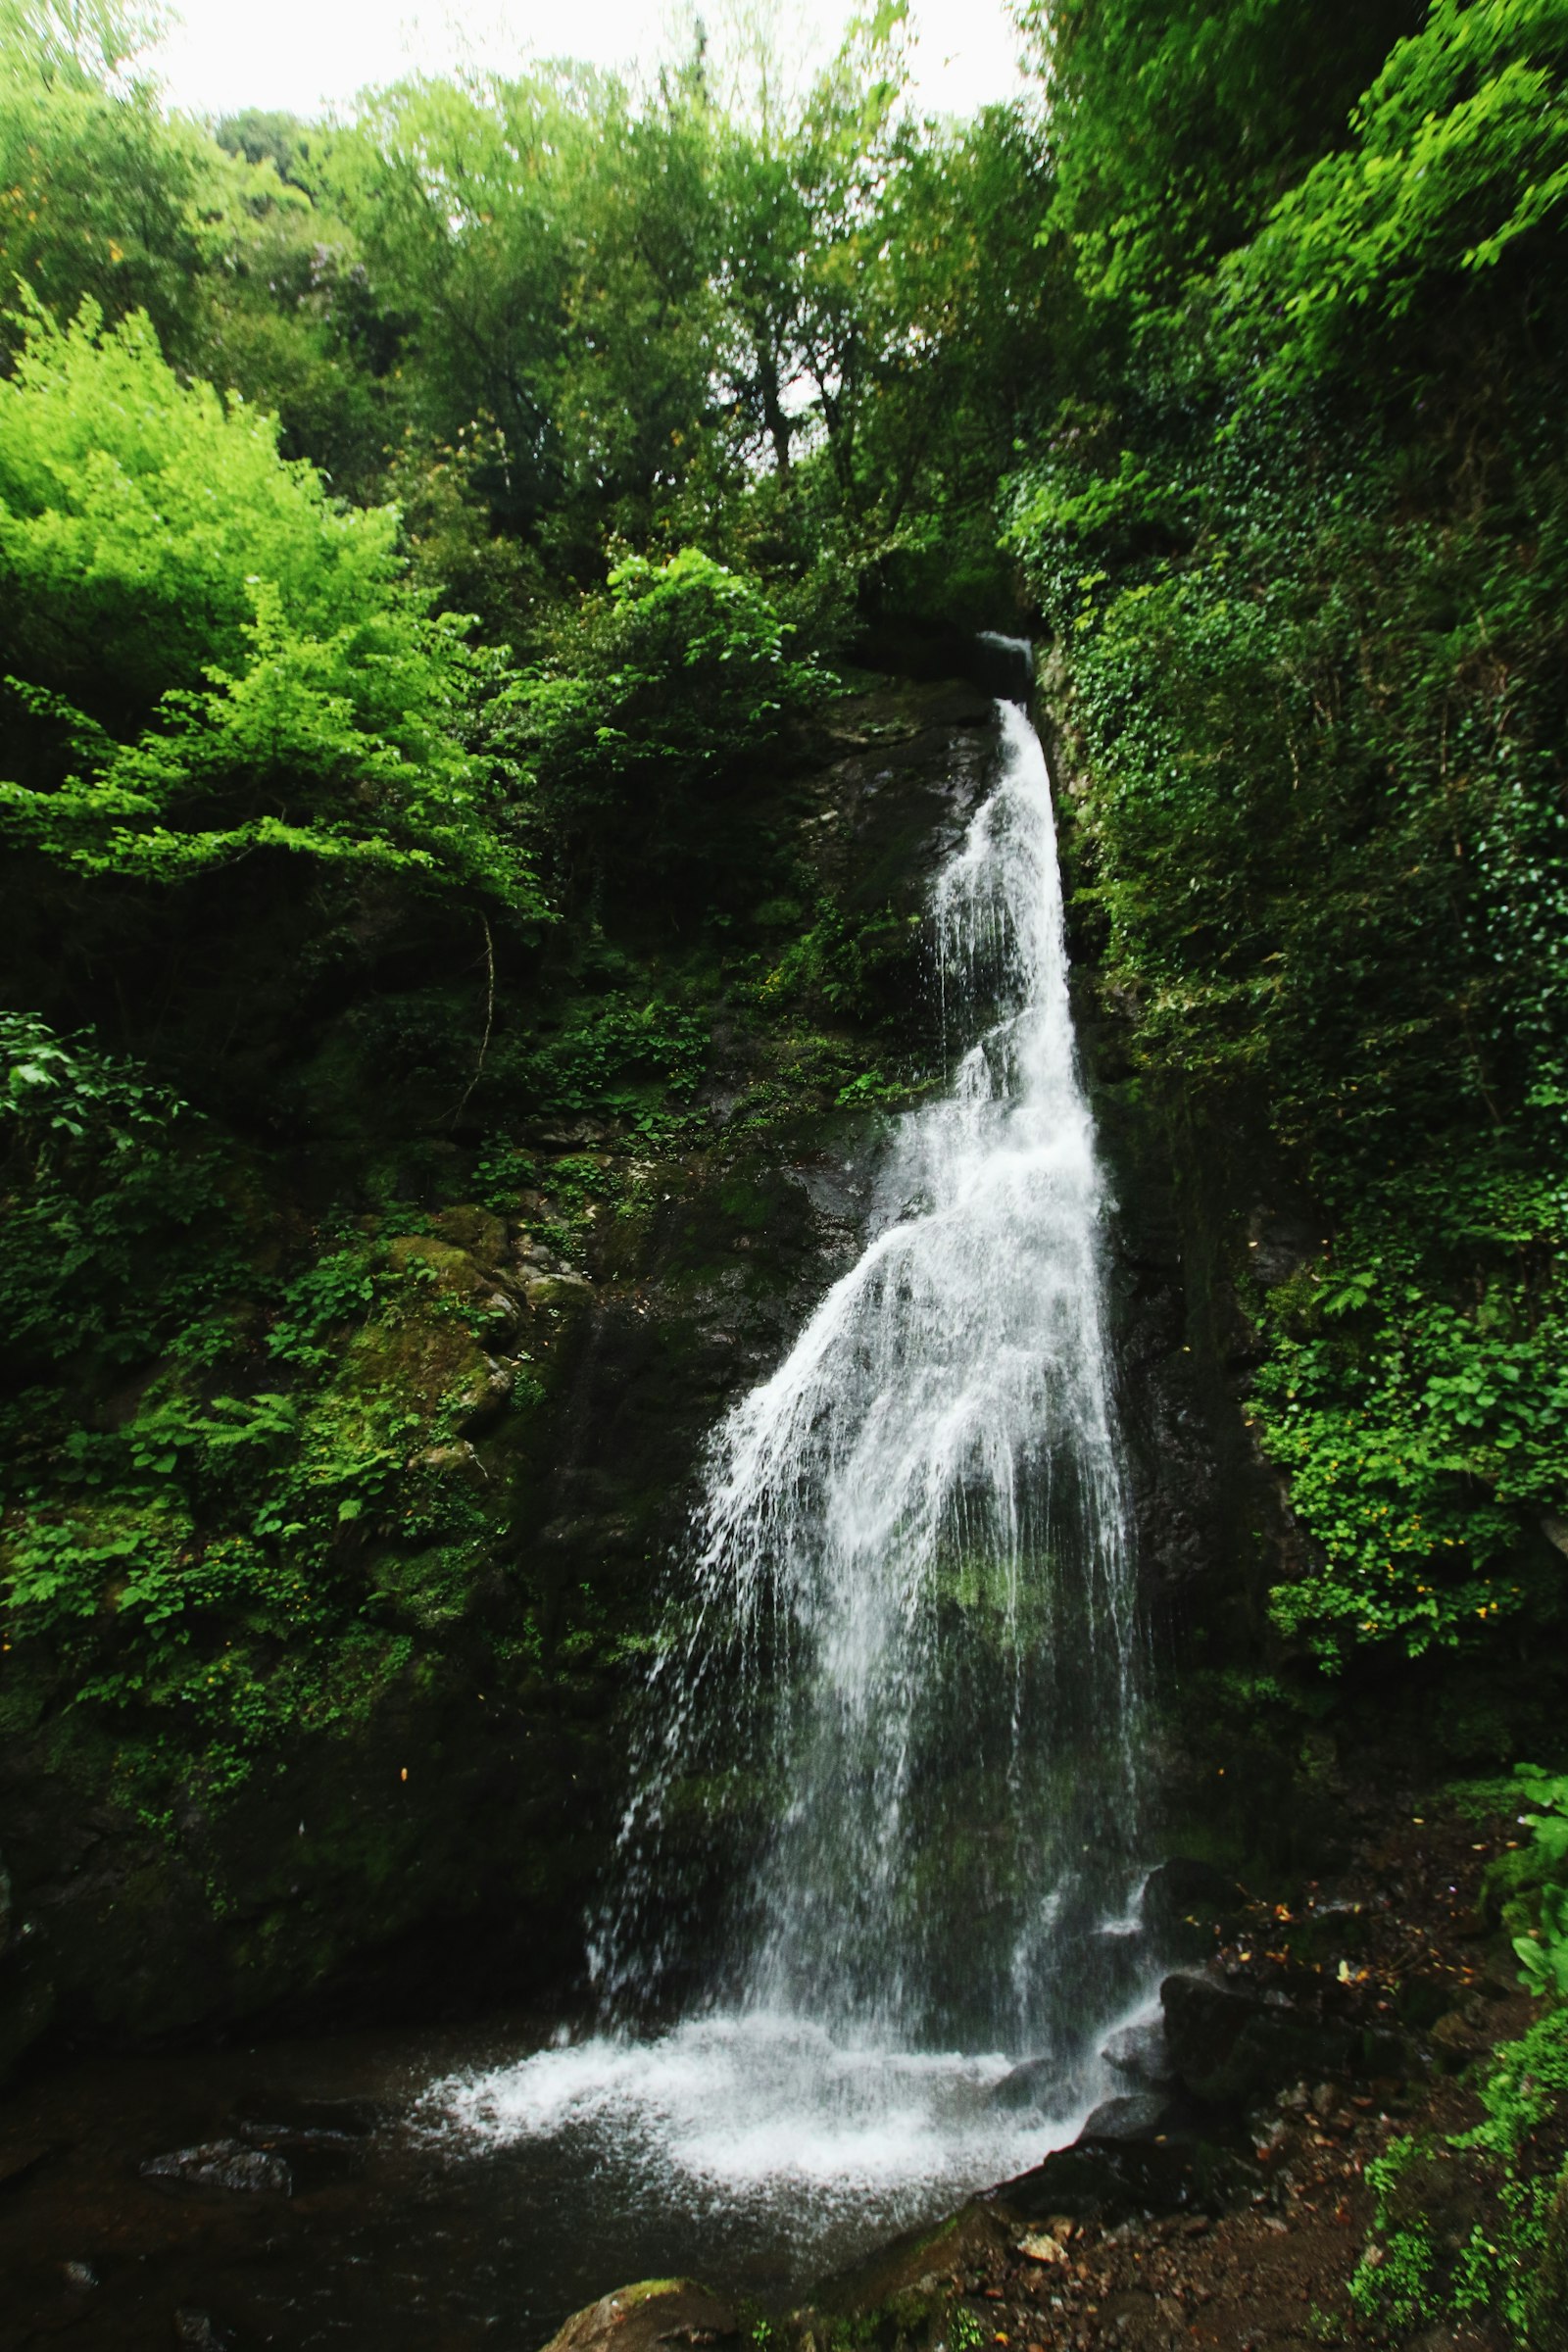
(436,1842)
(26,1994)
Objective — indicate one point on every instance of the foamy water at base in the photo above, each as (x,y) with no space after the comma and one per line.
(760,2116)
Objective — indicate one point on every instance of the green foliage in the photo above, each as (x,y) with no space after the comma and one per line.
(325,1296)
(861,967)
(1460,156)
(546,243)
(222,1564)
(1492,2187)
(616,1056)
(1539,1884)
(661,691)
(205,1461)
(965,2332)
(164,564)
(1314,637)
(101,197)
(1425,1437)
(1178,122)
(108,1179)
(138,515)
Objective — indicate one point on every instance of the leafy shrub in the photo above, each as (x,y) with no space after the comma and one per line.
(106,1178)
(1494,2187)
(659,696)
(615,1055)
(212,657)
(1426,1436)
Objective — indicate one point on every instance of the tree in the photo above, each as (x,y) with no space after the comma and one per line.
(548,244)
(100,194)
(208,655)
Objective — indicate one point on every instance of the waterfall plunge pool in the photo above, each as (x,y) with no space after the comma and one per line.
(448,2192)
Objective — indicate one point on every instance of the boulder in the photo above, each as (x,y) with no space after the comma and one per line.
(201,2331)
(1141,2052)
(907,2281)
(1031,2084)
(1228,2047)
(643,2318)
(1133,2115)
(1114,2180)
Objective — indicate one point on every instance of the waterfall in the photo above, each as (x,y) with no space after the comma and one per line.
(885,1805)
(910,1631)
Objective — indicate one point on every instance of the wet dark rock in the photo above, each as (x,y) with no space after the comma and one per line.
(640,2318)
(312,2122)
(17,2163)
(1228,2046)
(28,2003)
(1132,2114)
(1184,1900)
(1114,2180)
(312,2155)
(1141,2052)
(201,2331)
(1033,2084)
(221,2163)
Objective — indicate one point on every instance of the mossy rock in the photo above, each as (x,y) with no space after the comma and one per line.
(644,2317)
(905,2283)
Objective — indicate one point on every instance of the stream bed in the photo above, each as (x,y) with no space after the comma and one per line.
(445,2191)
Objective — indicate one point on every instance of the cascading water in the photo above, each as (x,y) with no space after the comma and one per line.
(905,1669)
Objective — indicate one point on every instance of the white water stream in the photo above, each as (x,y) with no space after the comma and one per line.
(900,1685)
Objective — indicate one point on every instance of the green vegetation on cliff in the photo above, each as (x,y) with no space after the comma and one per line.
(1299,529)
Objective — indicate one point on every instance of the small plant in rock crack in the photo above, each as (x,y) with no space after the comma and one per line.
(964,2332)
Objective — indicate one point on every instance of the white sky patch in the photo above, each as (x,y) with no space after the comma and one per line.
(307,56)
